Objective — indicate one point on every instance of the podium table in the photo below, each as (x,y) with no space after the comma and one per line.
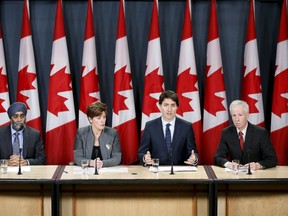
(135,192)
(30,193)
(265,192)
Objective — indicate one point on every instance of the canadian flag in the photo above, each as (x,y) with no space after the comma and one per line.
(279,117)
(251,82)
(187,81)
(61,123)
(89,87)
(4,90)
(124,116)
(27,88)
(154,79)
(215,116)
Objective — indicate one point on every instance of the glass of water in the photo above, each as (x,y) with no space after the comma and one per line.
(4,166)
(155,165)
(84,165)
(235,165)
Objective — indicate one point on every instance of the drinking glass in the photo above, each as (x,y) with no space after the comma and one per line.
(4,166)
(155,165)
(84,164)
(235,165)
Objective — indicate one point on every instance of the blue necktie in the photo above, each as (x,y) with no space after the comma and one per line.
(168,137)
(16,144)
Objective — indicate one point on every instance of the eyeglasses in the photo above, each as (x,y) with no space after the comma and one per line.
(15,116)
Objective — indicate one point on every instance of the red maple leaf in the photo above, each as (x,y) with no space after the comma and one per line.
(3,88)
(89,84)
(25,80)
(59,82)
(153,84)
(122,81)
(3,82)
(186,83)
(251,84)
(214,84)
(280,87)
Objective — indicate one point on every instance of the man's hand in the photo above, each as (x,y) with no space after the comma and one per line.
(14,161)
(192,160)
(253,166)
(147,158)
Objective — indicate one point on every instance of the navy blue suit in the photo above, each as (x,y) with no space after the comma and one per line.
(33,148)
(257,147)
(153,141)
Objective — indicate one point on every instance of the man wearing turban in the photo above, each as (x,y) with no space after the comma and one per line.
(20,143)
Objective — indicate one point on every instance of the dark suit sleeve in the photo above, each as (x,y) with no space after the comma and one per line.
(220,157)
(144,144)
(191,144)
(39,156)
(269,158)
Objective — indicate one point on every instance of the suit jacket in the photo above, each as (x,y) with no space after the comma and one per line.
(153,140)
(108,141)
(33,148)
(257,147)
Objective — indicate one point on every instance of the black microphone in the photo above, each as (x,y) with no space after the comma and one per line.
(171,160)
(249,168)
(96,155)
(19,169)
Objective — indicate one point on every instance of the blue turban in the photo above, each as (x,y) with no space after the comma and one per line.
(16,107)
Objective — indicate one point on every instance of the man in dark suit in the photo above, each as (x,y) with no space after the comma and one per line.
(257,147)
(180,146)
(19,138)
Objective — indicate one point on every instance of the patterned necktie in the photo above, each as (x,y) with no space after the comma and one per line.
(16,144)
(241,140)
(168,137)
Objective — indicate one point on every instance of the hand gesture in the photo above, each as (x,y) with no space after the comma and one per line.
(192,160)
(147,158)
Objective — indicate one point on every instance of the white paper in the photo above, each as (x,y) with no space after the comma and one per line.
(91,170)
(241,169)
(15,169)
(175,169)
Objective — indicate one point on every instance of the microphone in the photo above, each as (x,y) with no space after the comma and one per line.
(171,160)
(96,155)
(19,169)
(249,168)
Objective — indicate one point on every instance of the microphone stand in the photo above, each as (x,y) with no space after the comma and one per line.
(249,168)
(171,159)
(19,170)
(96,170)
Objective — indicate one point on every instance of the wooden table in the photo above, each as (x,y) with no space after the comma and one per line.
(30,193)
(137,192)
(265,192)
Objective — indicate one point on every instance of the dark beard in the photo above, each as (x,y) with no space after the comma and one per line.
(18,126)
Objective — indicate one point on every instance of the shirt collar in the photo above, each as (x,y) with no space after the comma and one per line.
(171,122)
(243,131)
(14,131)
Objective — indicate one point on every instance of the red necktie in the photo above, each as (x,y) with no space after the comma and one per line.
(241,140)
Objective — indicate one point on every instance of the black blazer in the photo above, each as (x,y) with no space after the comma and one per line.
(182,144)
(257,146)
(33,148)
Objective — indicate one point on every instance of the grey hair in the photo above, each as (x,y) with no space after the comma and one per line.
(241,103)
